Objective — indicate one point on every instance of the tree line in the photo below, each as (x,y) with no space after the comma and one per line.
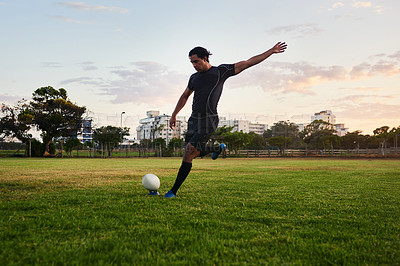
(59,120)
(318,135)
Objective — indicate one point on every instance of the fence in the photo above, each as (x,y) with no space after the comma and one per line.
(304,152)
(128,152)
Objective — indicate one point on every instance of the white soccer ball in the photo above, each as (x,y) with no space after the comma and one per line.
(151,182)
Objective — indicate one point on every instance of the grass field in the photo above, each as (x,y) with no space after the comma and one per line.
(228,212)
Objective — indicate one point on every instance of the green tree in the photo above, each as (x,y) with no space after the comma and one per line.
(237,140)
(315,134)
(394,133)
(15,122)
(174,145)
(382,133)
(70,144)
(109,137)
(90,146)
(280,142)
(160,146)
(257,141)
(54,114)
(353,140)
(285,129)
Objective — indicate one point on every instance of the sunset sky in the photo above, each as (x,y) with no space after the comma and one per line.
(132,56)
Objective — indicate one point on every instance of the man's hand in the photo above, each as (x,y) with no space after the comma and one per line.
(280,47)
(172,122)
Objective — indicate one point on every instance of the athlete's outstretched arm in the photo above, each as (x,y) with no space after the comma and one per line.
(280,47)
(181,103)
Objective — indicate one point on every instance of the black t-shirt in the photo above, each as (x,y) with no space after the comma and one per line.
(207,87)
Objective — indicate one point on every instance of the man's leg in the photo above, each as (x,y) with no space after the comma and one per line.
(184,170)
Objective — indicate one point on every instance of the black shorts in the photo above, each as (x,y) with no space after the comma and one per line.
(200,130)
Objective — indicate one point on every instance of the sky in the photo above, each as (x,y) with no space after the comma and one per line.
(132,56)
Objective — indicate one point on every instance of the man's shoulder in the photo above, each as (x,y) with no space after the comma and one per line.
(227,69)
(226,66)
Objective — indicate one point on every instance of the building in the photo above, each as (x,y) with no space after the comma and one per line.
(340,130)
(243,125)
(326,116)
(157,126)
(257,128)
(329,117)
(86,133)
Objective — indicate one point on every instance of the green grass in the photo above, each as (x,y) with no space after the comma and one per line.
(229,211)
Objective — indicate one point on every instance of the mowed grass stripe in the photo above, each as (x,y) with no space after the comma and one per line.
(233,211)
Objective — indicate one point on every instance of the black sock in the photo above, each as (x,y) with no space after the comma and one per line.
(182,174)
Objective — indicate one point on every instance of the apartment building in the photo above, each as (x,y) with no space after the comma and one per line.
(157,126)
(243,125)
(86,133)
(329,117)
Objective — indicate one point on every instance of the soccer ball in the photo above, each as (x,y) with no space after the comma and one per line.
(151,182)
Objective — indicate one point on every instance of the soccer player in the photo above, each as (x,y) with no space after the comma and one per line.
(207,84)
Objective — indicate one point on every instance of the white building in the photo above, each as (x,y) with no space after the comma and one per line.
(326,116)
(243,125)
(329,117)
(86,133)
(157,126)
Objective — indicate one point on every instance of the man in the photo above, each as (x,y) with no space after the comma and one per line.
(207,84)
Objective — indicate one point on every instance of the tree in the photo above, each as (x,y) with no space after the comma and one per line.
(144,146)
(285,129)
(331,141)
(288,130)
(279,142)
(316,133)
(257,142)
(54,114)
(237,140)
(90,146)
(176,144)
(159,145)
(395,132)
(352,140)
(383,134)
(70,144)
(15,122)
(109,137)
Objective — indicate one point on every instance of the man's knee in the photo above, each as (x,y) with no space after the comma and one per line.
(190,149)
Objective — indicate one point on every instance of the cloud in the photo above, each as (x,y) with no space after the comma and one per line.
(296,77)
(85,7)
(140,82)
(386,65)
(151,82)
(9,99)
(378,9)
(297,31)
(88,66)
(301,77)
(362,88)
(362,4)
(65,19)
(335,5)
(51,64)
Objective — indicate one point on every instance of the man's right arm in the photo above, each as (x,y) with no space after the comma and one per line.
(181,103)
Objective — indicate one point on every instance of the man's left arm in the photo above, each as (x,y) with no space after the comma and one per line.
(280,47)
